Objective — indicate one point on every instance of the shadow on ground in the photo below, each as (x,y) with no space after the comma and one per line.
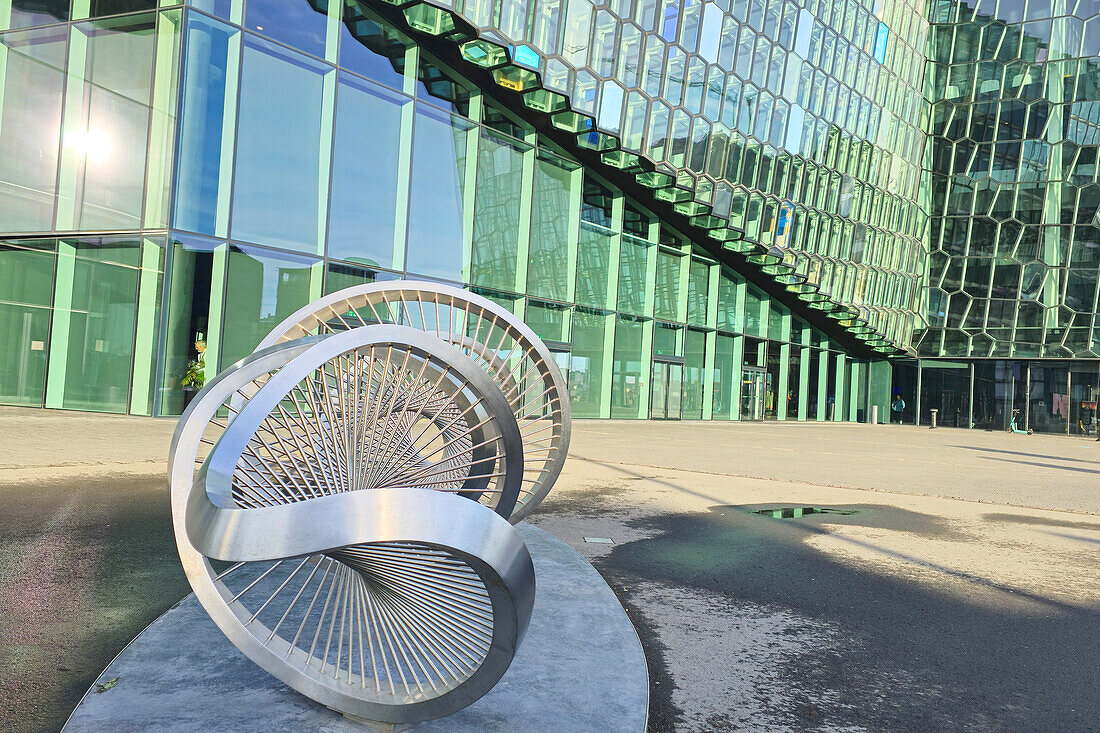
(84,566)
(908,657)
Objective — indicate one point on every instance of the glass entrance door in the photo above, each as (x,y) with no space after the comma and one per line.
(666,397)
(753,389)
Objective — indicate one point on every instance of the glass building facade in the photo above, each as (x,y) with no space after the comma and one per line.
(736,210)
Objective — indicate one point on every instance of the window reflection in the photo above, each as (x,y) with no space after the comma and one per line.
(28,13)
(554,195)
(722,376)
(626,377)
(338,277)
(372,49)
(633,266)
(593,261)
(547,320)
(278,170)
(97,342)
(262,289)
(437,200)
(203,109)
(496,213)
(25,303)
(363,207)
(296,24)
(188,326)
(107,148)
(694,359)
(34,75)
(98,8)
(442,88)
(668,286)
(586,384)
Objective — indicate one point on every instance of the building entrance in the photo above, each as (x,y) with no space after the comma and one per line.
(667,390)
(753,389)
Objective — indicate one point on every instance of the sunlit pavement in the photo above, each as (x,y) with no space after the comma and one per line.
(902,611)
(956,590)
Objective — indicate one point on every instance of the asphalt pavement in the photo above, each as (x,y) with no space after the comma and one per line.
(947,581)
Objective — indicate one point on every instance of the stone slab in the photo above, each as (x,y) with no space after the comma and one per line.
(580,668)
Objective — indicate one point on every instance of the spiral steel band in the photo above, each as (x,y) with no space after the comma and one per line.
(361,482)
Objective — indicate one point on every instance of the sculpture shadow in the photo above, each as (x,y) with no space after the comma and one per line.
(915,656)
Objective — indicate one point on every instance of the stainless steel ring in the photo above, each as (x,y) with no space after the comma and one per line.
(501,343)
(425,552)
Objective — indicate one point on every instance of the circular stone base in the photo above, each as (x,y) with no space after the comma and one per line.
(580,668)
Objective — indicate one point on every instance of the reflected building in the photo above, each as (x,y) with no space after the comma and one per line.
(743,209)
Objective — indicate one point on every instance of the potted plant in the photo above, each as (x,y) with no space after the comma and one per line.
(192,379)
(194,372)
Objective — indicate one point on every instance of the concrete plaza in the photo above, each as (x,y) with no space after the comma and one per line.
(955,587)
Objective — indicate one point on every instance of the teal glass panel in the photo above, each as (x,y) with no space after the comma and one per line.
(22,14)
(596,203)
(774,365)
(25,303)
(100,8)
(188,324)
(442,88)
(204,105)
(800,331)
(586,383)
(723,406)
(277,179)
(698,283)
(753,324)
(164,124)
(667,295)
(553,212)
(633,293)
(110,148)
(694,359)
(100,338)
(496,211)
(438,199)
(31,90)
(629,366)
(262,289)
(754,352)
(547,320)
(297,24)
(220,8)
(666,340)
(776,330)
(729,317)
(593,261)
(794,384)
(508,301)
(813,384)
(365,192)
(373,49)
(338,276)
(495,118)
(148,326)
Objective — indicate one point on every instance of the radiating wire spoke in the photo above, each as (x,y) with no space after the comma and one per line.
(481,416)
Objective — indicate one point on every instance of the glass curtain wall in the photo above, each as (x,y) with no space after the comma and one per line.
(1046,396)
(1011,175)
(312,155)
(87,116)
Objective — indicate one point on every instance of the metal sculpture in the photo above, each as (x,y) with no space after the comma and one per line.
(341,498)
(520,363)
